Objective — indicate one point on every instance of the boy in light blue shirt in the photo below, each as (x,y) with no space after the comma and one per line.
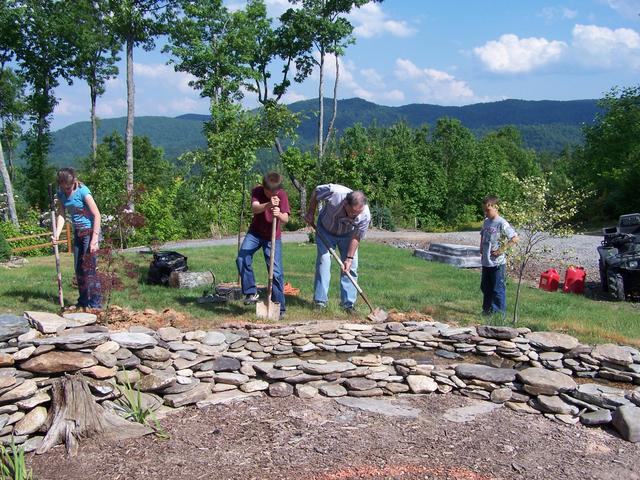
(496,236)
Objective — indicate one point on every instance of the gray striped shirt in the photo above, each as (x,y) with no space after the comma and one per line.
(333,215)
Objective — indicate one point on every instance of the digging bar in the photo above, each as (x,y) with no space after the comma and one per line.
(55,247)
(270,310)
(377,315)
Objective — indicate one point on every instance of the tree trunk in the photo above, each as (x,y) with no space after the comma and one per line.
(335,105)
(10,157)
(8,188)
(128,134)
(517,300)
(74,414)
(94,124)
(321,106)
(190,279)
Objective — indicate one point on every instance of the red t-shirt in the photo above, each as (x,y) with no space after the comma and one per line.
(261,223)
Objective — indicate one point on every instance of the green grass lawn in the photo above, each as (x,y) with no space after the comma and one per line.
(392,279)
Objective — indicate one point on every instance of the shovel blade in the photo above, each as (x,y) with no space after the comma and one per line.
(268,311)
(378,316)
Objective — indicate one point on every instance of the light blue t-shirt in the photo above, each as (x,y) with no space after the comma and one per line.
(75,206)
(493,234)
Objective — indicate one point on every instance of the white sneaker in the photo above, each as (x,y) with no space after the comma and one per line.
(251,298)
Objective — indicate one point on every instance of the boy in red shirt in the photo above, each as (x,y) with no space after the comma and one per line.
(268,200)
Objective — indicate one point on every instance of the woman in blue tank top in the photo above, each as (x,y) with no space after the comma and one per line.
(76,199)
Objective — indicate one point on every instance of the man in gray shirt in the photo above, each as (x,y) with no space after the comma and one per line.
(344,220)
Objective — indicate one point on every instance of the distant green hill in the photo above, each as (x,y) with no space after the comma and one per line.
(545,125)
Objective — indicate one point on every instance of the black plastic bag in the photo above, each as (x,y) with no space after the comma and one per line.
(163,264)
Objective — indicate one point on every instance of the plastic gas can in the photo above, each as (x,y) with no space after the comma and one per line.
(574,280)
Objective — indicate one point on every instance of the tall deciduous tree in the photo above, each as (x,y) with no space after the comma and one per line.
(12,111)
(610,161)
(97,53)
(265,48)
(136,23)
(321,26)
(221,49)
(43,52)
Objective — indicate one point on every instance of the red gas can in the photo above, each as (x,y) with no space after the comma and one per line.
(574,280)
(549,280)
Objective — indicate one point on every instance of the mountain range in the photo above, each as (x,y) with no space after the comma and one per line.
(546,125)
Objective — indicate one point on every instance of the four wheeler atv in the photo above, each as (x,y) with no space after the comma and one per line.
(620,258)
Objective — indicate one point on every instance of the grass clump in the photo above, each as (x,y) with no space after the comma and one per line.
(135,410)
(12,463)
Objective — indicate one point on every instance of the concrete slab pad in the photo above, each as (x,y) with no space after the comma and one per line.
(383,407)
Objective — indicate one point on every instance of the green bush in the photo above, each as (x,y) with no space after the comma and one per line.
(5,249)
(28,226)
(381,218)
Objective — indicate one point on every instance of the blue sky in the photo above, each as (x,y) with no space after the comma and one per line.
(428,51)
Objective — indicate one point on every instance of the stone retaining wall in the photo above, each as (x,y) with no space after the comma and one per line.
(174,368)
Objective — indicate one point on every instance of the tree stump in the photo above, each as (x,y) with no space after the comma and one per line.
(190,279)
(74,414)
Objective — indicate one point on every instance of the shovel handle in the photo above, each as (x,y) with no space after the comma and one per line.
(55,247)
(339,260)
(272,257)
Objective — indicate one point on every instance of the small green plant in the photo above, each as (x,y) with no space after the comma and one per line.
(135,410)
(12,463)
(5,249)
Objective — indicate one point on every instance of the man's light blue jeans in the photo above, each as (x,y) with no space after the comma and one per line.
(348,292)
(250,245)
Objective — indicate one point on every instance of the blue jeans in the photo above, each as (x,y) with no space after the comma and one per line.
(493,287)
(348,292)
(85,268)
(250,245)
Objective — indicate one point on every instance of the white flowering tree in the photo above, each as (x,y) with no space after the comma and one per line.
(538,215)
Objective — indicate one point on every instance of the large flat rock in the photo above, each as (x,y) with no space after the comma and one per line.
(626,419)
(601,395)
(552,341)
(539,381)
(230,396)
(470,412)
(12,326)
(486,373)
(57,362)
(45,322)
(611,353)
(134,341)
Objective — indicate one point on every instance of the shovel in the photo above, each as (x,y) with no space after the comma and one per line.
(55,247)
(377,315)
(270,310)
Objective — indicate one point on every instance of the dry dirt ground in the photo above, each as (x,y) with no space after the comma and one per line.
(290,438)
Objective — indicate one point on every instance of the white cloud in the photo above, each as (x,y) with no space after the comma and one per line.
(604,47)
(185,105)
(511,54)
(165,73)
(626,8)
(371,21)
(111,108)
(372,77)
(434,85)
(551,14)
(66,107)
(292,97)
